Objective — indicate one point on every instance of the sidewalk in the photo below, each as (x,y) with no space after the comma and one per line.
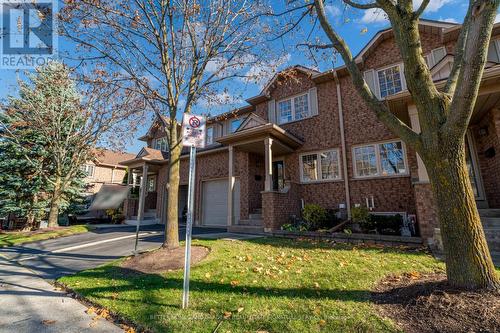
(29,304)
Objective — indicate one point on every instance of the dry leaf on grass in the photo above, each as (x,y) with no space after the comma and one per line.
(48,322)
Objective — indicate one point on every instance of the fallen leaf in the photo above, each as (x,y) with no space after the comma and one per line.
(322,322)
(48,322)
(316,285)
(234,283)
(207,275)
(240,309)
(227,314)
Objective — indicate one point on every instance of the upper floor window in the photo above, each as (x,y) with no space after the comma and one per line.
(210,136)
(381,159)
(389,81)
(160,144)
(295,108)
(235,123)
(88,169)
(320,166)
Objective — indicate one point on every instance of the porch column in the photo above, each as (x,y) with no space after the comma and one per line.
(129,176)
(415,125)
(268,142)
(230,187)
(142,193)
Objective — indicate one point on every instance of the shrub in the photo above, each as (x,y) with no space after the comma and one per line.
(361,216)
(315,215)
(387,224)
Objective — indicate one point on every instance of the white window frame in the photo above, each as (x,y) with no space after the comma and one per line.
(231,124)
(431,61)
(155,143)
(403,79)
(86,167)
(211,141)
(378,160)
(291,98)
(318,166)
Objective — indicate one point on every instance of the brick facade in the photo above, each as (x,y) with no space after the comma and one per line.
(401,193)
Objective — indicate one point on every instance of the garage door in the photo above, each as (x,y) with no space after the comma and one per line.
(214,201)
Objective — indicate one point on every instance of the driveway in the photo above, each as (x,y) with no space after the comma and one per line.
(53,258)
(28,303)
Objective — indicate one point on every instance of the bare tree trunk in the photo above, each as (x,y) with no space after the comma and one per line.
(172,227)
(54,205)
(468,260)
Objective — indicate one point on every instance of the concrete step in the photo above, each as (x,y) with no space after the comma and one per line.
(258,211)
(490,212)
(252,222)
(255,216)
(490,222)
(245,229)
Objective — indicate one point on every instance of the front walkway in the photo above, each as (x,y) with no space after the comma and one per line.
(29,304)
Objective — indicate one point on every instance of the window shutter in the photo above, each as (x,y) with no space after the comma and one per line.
(370,81)
(271,111)
(313,101)
(493,52)
(438,54)
(403,79)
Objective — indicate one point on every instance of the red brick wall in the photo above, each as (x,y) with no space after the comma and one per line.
(278,207)
(426,210)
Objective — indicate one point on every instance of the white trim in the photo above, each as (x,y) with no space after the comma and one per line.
(292,110)
(475,165)
(212,127)
(318,166)
(402,78)
(377,157)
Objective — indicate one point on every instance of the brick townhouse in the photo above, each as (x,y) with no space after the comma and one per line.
(311,139)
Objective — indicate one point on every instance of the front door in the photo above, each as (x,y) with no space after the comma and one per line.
(278,175)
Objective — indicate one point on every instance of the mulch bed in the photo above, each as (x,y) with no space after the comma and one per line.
(421,303)
(163,259)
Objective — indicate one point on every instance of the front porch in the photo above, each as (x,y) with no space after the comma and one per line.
(144,202)
(267,145)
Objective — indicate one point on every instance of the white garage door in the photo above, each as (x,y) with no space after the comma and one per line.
(214,202)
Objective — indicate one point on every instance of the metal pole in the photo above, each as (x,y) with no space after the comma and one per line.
(189,225)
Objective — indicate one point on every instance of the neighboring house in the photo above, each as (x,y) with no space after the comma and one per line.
(105,169)
(311,139)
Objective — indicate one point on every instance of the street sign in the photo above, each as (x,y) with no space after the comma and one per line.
(193,131)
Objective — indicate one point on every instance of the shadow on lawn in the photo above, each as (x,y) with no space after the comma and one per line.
(152,283)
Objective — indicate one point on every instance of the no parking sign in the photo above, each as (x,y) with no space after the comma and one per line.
(193,131)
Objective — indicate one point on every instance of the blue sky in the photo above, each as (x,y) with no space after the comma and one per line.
(356,26)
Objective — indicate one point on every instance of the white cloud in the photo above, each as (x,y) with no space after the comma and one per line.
(377,15)
(374,15)
(219,99)
(449,20)
(433,6)
(332,10)
(497,18)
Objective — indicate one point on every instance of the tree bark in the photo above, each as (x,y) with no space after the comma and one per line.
(54,205)
(172,227)
(468,260)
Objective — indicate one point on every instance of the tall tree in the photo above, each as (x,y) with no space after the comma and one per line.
(176,52)
(64,126)
(21,181)
(444,116)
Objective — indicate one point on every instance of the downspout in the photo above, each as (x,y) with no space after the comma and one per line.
(344,150)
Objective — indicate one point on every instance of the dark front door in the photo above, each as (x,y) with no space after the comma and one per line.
(278,175)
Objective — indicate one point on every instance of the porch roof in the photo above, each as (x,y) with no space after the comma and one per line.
(259,133)
(149,155)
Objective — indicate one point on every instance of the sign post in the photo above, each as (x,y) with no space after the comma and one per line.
(193,135)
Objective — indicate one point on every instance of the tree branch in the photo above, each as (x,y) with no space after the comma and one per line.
(380,109)
(361,5)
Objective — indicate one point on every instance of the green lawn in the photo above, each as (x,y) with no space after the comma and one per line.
(272,285)
(16,238)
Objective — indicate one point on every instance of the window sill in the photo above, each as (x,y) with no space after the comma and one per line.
(321,181)
(381,177)
(296,121)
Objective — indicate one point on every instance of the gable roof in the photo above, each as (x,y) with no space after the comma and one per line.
(159,118)
(252,120)
(431,26)
(110,157)
(152,154)
(264,94)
